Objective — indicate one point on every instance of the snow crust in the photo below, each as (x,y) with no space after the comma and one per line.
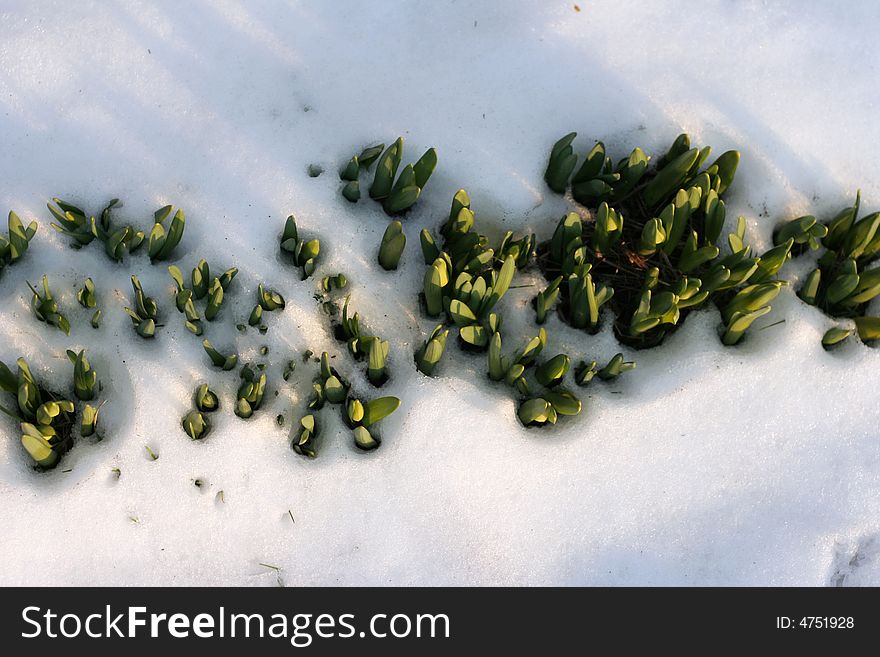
(707,465)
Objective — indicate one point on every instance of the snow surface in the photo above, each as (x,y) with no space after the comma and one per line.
(707,465)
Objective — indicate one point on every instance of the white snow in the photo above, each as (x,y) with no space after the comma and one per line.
(707,465)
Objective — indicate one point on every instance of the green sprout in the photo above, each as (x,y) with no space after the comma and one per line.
(89,421)
(304,252)
(330,386)
(86,295)
(83,229)
(45,421)
(835,336)
(162,242)
(551,372)
(196,425)
(360,416)
(397,193)
(250,392)
(844,281)
(84,377)
(546,409)
(585,372)
(205,399)
(45,308)
(15,244)
(226,363)
(651,253)
(468,277)
(393,243)
(430,353)
(615,367)
(331,283)
(305,441)
(145,312)
(268,300)
(377,357)
(351,190)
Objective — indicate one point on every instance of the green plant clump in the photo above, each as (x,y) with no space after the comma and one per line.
(467,278)
(303,252)
(202,286)
(45,308)
(46,421)
(360,416)
(83,229)
(250,391)
(331,283)
(15,244)
(195,423)
(163,241)
(267,300)
(329,387)
(145,312)
(85,379)
(651,253)
(397,193)
(222,361)
(391,248)
(305,442)
(845,279)
(430,353)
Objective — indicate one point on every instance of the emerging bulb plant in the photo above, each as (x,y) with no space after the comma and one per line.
(205,399)
(393,243)
(305,442)
(360,416)
(75,223)
(467,278)
(351,172)
(534,410)
(164,240)
(86,295)
(46,421)
(87,299)
(202,285)
(45,308)
(250,391)
(83,229)
(15,244)
(651,253)
(585,372)
(397,193)
(145,312)
(348,329)
(84,377)
(429,354)
(303,252)
(333,283)
(615,367)
(512,369)
(330,386)
(195,423)
(89,420)
(267,300)
(546,409)
(844,281)
(218,359)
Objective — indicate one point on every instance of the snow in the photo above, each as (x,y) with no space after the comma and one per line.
(707,465)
